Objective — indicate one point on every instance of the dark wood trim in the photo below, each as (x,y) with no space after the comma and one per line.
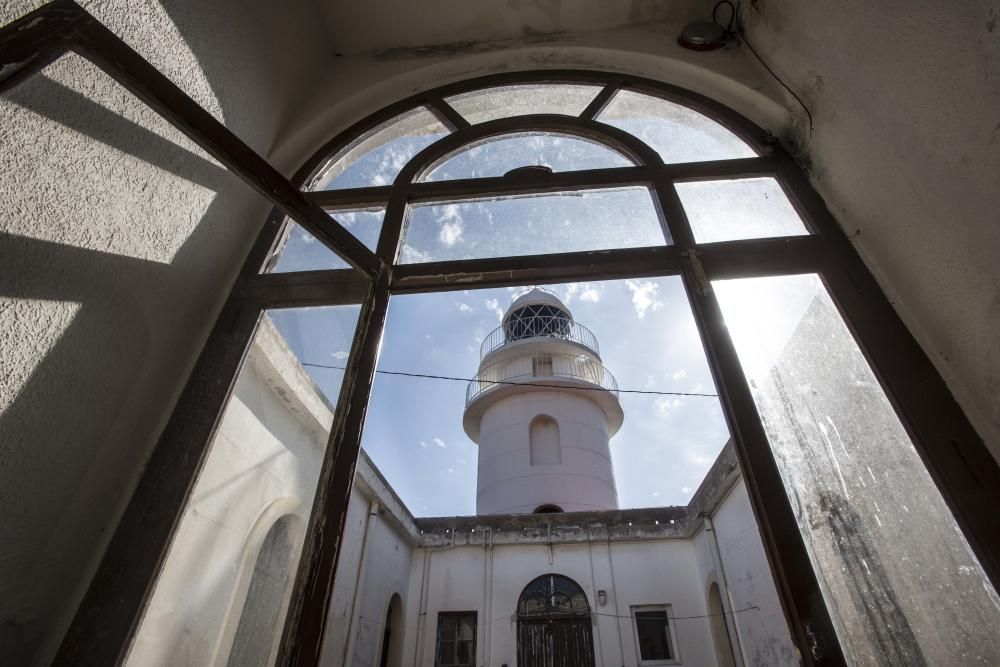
(308,288)
(101,46)
(302,641)
(535,269)
(601,100)
(445,112)
(35,40)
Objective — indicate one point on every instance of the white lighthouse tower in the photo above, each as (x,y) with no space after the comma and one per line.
(542,409)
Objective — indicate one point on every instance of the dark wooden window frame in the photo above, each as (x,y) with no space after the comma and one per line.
(459,615)
(956,457)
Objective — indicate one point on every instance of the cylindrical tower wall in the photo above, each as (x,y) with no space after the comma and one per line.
(581,480)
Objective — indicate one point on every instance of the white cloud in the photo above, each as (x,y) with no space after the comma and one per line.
(423,444)
(494,305)
(465,308)
(666,403)
(686,490)
(439,442)
(680,375)
(451,233)
(339,354)
(452,225)
(644,296)
(451,471)
(590,294)
(655,494)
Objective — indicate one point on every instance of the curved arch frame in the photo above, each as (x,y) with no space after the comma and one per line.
(963,469)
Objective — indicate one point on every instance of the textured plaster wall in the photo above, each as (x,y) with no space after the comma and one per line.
(118,240)
(354,86)
(906,151)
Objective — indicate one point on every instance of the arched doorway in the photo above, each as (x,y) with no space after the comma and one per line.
(554,625)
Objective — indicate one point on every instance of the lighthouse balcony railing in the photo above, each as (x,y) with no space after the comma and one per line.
(539,368)
(538,326)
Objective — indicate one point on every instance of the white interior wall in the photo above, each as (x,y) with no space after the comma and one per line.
(119,241)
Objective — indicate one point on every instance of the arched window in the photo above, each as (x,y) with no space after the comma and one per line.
(816,369)
(548,509)
(720,630)
(543,441)
(552,595)
(260,622)
(390,651)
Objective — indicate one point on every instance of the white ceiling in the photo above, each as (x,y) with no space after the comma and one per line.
(379,25)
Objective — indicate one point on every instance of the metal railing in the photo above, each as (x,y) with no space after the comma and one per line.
(539,326)
(539,368)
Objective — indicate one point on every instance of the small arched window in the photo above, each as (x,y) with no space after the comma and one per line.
(259,629)
(543,441)
(548,509)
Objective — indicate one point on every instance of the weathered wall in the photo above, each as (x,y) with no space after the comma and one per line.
(463,578)
(761,629)
(905,149)
(118,241)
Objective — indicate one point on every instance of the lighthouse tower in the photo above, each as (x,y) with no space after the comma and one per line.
(542,408)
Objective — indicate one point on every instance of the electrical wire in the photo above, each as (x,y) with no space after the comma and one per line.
(507,618)
(520,384)
(740,33)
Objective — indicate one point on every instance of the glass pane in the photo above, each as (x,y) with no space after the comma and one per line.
(677,133)
(377,157)
(651,627)
(498,155)
(301,251)
(900,580)
(563,222)
(222,594)
(746,208)
(569,99)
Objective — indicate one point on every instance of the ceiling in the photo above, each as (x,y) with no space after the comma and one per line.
(428,25)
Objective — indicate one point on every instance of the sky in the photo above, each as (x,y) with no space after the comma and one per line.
(645,328)
(414,433)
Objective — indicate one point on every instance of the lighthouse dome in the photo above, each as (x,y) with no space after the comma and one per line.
(537,312)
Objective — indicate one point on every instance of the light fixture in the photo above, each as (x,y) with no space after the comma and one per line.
(602,598)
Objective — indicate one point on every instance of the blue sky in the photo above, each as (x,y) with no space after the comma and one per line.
(414,427)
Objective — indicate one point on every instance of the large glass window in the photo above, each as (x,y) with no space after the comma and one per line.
(456,639)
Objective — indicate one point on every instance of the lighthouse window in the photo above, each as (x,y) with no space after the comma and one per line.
(544,442)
